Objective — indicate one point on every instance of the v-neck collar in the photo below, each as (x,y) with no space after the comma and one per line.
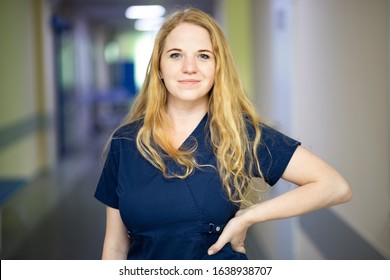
(195,133)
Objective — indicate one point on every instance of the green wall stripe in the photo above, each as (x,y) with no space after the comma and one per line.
(8,187)
(22,129)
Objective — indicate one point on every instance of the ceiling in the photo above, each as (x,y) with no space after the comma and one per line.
(111,12)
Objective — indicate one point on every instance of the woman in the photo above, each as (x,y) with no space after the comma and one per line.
(179,175)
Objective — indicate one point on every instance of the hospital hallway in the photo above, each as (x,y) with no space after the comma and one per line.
(74,228)
(318,71)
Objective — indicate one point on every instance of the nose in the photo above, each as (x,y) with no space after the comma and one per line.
(189,65)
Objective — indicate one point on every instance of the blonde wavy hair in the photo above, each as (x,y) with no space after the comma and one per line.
(229,113)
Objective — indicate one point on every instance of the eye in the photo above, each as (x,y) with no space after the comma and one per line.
(204,56)
(175,55)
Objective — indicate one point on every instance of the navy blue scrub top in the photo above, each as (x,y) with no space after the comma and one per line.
(171,218)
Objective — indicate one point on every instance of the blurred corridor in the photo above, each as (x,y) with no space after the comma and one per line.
(73,229)
(79,64)
(318,70)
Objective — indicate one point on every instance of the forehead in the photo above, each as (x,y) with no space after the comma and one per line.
(187,35)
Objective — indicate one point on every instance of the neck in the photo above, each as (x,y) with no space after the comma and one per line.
(183,122)
(184,113)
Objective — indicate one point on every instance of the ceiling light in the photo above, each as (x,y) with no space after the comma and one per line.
(148,24)
(145,11)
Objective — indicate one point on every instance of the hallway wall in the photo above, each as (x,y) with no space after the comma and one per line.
(273,52)
(238,27)
(26,89)
(340,103)
(27,134)
(337,102)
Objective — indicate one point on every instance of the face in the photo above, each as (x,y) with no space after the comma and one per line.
(187,65)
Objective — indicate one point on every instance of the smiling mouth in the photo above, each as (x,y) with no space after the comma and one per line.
(189,81)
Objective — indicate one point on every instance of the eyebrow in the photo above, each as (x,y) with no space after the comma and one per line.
(179,50)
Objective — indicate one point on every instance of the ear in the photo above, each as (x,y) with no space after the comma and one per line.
(160,75)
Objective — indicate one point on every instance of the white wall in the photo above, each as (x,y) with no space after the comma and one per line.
(273,45)
(340,103)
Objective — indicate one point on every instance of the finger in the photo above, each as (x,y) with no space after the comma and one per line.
(217,246)
(238,244)
(240,249)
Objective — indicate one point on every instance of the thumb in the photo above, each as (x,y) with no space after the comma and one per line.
(216,247)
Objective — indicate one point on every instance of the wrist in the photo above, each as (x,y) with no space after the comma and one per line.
(248,216)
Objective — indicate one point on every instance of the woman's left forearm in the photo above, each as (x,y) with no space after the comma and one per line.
(320,186)
(298,201)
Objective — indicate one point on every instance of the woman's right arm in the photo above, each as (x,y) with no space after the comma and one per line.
(116,241)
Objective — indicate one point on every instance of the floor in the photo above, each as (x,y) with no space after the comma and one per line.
(74,230)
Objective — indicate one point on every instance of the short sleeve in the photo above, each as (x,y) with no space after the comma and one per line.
(274,153)
(106,190)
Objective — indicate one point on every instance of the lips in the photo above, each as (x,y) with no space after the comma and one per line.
(189,81)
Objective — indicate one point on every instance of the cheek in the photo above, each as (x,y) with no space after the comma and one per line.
(211,75)
(169,71)
(207,71)
(211,71)
(164,68)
